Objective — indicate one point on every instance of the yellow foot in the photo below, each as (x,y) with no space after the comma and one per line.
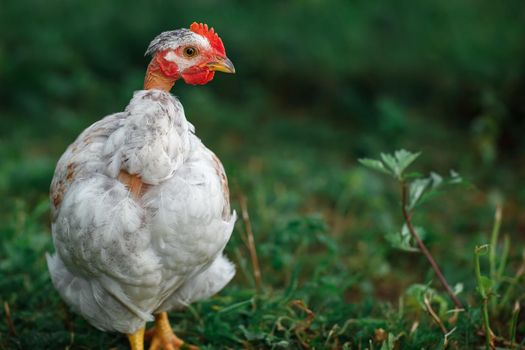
(136,340)
(162,336)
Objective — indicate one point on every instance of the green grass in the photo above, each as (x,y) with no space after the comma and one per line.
(319,86)
(319,221)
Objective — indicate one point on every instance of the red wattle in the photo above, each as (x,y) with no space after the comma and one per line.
(169,68)
(198,78)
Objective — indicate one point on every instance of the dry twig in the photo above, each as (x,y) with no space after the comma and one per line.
(9,320)
(438,321)
(250,241)
(305,325)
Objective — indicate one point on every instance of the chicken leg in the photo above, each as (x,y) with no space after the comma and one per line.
(136,340)
(162,336)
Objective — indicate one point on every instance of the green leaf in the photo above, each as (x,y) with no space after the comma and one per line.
(437,179)
(416,293)
(455,178)
(416,190)
(391,163)
(458,288)
(252,335)
(405,158)
(487,284)
(412,175)
(401,243)
(403,240)
(390,343)
(399,161)
(374,165)
(482,249)
(436,298)
(239,305)
(419,193)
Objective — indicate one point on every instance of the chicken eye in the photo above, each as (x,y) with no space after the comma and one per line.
(190,51)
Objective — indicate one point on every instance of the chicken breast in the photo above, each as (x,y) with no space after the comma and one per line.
(119,258)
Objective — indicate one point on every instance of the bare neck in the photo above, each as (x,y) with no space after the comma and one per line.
(154,78)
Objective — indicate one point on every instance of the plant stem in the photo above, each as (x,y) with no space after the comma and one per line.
(517,279)
(504,256)
(250,242)
(514,323)
(423,248)
(494,241)
(485,299)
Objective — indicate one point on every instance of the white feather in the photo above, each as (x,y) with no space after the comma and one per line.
(119,259)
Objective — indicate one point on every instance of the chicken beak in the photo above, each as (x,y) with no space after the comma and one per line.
(221,64)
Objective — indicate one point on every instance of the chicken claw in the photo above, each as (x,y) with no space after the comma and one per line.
(162,336)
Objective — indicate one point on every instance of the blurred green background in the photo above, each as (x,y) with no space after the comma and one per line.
(319,84)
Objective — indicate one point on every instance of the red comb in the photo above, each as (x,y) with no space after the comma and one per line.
(209,34)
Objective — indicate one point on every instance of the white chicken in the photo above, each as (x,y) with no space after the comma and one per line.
(140,207)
